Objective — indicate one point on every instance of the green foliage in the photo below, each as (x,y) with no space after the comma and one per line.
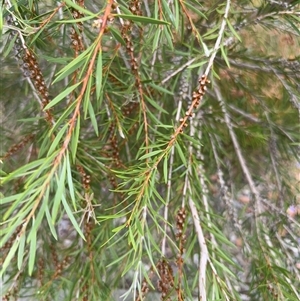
(150,147)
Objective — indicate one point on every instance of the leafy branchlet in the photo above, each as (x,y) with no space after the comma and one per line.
(112,142)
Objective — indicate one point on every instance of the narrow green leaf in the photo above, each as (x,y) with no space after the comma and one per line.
(196,65)
(156,105)
(70,182)
(21,251)
(87,95)
(131,239)
(223,267)
(10,46)
(167,33)
(40,172)
(80,8)
(157,36)
(99,75)
(233,30)
(74,64)
(193,140)
(161,89)
(57,60)
(9,257)
(142,19)
(166,159)
(139,132)
(61,96)
(1,20)
(151,154)
(224,55)
(116,34)
(93,119)
(46,143)
(72,217)
(75,139)
(76,20)
(32,252)
(180,152)
(177,15)
(8,199)
(118,229)
(40,215)
(62,118)
(60,190)
(57,139)
(211,31)
(20,171)
(168,12)
(193,7)
(23,198)
(49,220)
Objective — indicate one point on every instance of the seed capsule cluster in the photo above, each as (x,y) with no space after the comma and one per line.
(84,291)
(86,179)
(16,147)
(180,220)
(32,69)
(9,243)
(41,269)
(113,147)
(135,8)
(196,100)
(58,265)
(11,294)
(144,291)
(59,268)
(166,281)
(29,66)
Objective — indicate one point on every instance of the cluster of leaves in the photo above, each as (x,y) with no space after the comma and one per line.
(136,126)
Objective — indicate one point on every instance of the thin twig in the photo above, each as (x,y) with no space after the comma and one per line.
(258,201)
(169,182)
(219,39)
(204,251)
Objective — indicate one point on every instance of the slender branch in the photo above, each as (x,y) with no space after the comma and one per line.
(204,251)
(169,186)
(181,68)
(72,123)
(258,204)
(219,39)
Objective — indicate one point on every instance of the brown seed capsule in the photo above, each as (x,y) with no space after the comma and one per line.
(111,18)
(203,77)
